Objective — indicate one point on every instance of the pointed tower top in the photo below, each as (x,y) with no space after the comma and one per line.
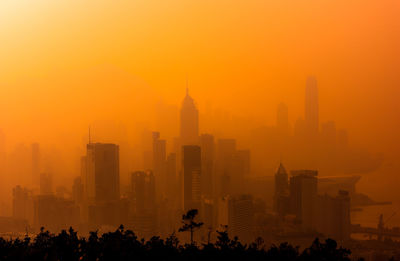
(281,169)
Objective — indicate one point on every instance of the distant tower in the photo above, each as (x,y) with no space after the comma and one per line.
(312,106)
(303,195)
(191,177)
(282,119)
(189,125)
(35,163)
(207,145)
(281,189)
(159,162)
(102,176)
(281,181)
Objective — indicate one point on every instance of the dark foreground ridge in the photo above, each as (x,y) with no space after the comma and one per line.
(125,245)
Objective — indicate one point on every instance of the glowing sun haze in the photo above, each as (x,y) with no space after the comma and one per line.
(67,64)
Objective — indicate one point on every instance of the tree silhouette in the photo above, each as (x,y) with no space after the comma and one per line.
(189,224)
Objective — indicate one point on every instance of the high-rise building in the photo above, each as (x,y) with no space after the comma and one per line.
(55,213)
(312,106)
(46,184)
(143,190)
(191,177)
(207,164)
(36,163)
(281,192)
(226,150)
(238,214)
(333,215)
(22,204)
(144,197)
(159,162)
(240,170)
(102,179)
(282,119)
(77,190)
(189,124)
(303,195)
(171,177)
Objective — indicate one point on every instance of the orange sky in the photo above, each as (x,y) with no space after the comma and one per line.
(66,64)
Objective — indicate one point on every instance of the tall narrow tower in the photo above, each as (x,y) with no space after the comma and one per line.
(189,125)
(312,106)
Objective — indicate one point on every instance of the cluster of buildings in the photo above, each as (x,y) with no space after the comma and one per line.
(199,172)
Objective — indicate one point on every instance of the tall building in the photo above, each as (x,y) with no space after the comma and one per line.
(281,190)
(191,177)
(207,164)
(77,190)
(159,162)
(189,124)
(303,196)
(35,163)
(22,206)
(240,170)
(143,190)
(102,177)
(171,170)
(55,213)
(333,215)
(46,184)
(144,197)
(282,119)
(226,150)
(238,214)
(312,106)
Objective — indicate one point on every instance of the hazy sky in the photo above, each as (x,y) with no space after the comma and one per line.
(67,63)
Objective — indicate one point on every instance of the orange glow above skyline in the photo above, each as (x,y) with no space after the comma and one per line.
(67,64)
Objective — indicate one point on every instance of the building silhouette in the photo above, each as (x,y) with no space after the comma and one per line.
(189,122)
(22,204)
(36,163)
(46,184)
(102,174)
(237,212)
(311,107)
(144,200)
(207,164)
(281,191)
(333,215)
(191,177)
(303,196)
(159,163)
(226,150)
(171,182)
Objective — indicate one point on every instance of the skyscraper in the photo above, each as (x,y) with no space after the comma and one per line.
(35,163)
(143,189)
(102,172)
(238,214)
(171,182)
(226,150)
(312,106)
(207,162)
(191,177)
(281,190)
(189,125)
(303,196)
(144,196)
(159,162)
